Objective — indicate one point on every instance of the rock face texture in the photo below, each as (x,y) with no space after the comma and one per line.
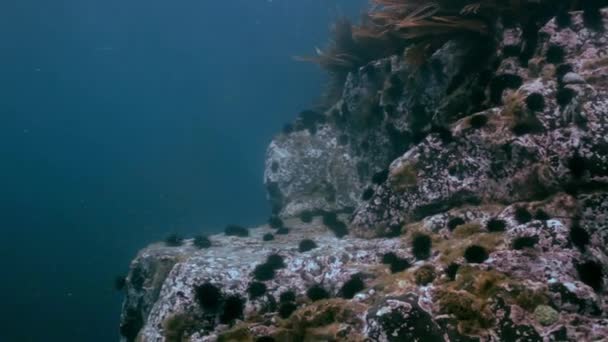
(473,186)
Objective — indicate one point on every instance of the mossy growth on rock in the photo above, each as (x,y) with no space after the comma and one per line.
(546,315)
(527,298)
(178,327)
(466,230)
(467,309)
(403,177)
(424,275)
(468,298)
(450,250)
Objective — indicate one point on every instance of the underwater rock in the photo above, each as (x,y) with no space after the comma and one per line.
(315,172)
(485,219)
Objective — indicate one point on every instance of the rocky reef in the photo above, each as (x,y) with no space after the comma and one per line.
(462,196)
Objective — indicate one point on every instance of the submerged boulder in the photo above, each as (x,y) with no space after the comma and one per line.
(454,199)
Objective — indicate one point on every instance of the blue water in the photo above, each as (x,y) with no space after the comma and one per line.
(124,120)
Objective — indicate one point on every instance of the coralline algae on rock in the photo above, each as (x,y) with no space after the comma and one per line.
(469,225)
